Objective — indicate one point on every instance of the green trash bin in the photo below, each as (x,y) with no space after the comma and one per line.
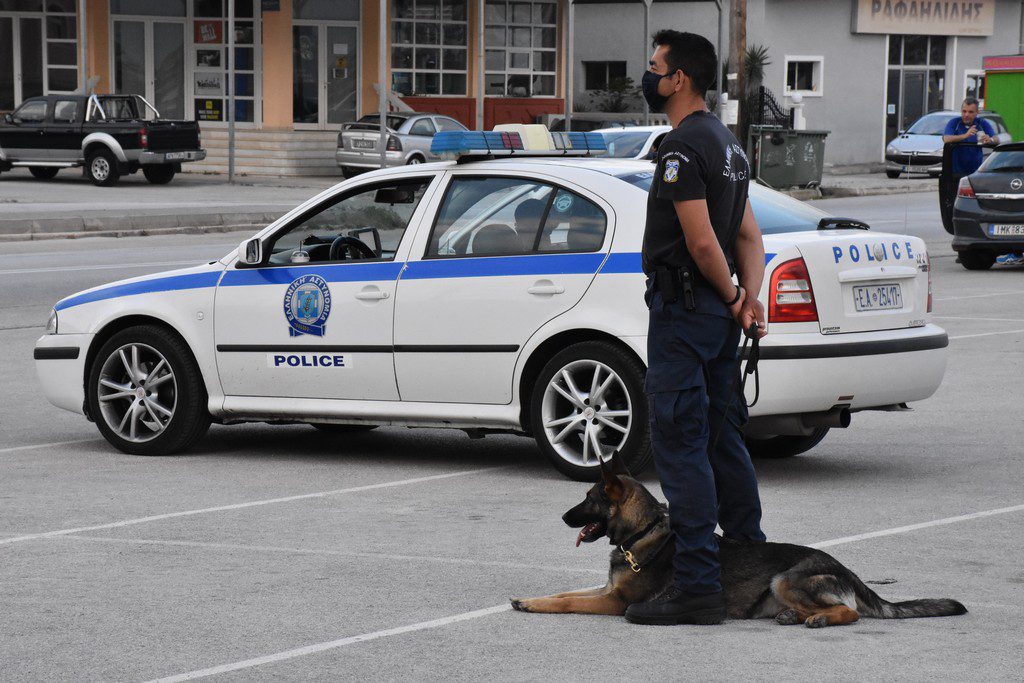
(782,157)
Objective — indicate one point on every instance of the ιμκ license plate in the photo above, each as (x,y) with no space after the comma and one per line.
(177,156)
(878,297)
(1005,230)
(362,144)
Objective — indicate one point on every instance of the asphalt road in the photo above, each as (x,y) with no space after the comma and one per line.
(281,553)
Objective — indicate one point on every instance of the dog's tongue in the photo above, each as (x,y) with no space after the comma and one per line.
(583,532)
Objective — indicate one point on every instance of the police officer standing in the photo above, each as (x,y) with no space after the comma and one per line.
(700,230)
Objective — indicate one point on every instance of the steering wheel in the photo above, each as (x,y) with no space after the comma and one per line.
(343,245)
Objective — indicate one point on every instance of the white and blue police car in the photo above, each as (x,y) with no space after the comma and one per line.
(500,292)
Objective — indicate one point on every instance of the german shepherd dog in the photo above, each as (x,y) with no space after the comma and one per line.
(790,583)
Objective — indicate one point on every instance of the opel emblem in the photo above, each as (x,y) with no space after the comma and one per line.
(1016,184)
(879,252)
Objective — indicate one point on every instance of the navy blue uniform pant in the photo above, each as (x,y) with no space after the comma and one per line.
(693,363)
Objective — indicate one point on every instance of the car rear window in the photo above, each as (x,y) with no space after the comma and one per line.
(1008,161)
(625,145)
(392,122)
(775,212)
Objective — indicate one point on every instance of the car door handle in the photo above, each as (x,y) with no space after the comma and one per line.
(545,287)
(372,295)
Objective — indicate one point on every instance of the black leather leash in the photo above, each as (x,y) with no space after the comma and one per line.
(751,338)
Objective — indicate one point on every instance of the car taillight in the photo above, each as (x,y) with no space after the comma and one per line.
(790,297)
(144,138)
(341,141)
(965,189)
(394,144)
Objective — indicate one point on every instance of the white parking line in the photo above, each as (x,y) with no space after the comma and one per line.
(978,296)
(112,266)
(46,445)
(984,334)
(240,506)
(475,614)
(335,553)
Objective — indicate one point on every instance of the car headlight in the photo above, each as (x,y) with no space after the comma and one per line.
(51,324)
(891,150)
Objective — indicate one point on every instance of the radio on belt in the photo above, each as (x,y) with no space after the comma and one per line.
(532,140)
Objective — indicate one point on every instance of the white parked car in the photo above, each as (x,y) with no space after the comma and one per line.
(495,295)
(634,142)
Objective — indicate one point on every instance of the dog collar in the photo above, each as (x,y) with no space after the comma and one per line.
(632,540)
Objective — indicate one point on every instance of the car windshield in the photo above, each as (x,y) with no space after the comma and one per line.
(931,124)
(775,212)
(625,145)
(392,122)
(1006,161)
(121,108)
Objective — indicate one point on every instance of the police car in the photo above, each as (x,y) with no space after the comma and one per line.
(501,292)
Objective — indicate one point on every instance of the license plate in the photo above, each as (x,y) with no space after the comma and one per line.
(175,156)
(362,144)
(878,297)
(906,169)
(1005,230)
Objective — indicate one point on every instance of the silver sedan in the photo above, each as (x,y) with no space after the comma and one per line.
(408,141)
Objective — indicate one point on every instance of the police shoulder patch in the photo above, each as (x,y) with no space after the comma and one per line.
(671,174)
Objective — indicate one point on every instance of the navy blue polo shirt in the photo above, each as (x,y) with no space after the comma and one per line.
(966,160)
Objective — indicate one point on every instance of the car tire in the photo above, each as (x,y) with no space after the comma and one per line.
(977,260)
(349,172)
(778,447)
(101,167)
(893,174)
(43,172)
(172,416)
(414,159)
(331,428)
(623,401)
(159,175)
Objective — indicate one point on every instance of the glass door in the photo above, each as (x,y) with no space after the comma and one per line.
(914,83)
(21,60)
(149,61)
(325,75)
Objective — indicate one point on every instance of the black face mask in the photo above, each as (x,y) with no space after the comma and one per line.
(649,84)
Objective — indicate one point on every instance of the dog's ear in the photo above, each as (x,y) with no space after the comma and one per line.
(618,464)
(613,486)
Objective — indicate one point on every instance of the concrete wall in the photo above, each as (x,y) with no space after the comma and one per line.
(615,32)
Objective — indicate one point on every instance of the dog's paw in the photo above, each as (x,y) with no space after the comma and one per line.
(817,621)
(787,617)
(519,605)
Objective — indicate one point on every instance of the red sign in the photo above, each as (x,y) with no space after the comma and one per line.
(1004,63)
(209,32)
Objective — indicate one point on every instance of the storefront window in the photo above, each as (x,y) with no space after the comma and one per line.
(336,10)
(521,48)
(916,81)
(429,47)
(159,8)
(210,61)
(44,39)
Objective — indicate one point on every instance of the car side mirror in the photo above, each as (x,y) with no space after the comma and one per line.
(9,119)
(901,132)
(250,252)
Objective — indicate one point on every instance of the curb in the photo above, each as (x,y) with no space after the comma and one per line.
(12,230)
(145,232)
(840,191)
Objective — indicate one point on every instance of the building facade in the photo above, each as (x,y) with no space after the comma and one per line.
(865,69)
(302,68)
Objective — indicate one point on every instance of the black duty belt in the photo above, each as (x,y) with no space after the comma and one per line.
(676,283)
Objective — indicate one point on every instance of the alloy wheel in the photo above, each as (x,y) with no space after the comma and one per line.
(100,168)
(137,392)
(586,412)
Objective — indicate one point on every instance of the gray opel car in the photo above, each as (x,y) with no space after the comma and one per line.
(408,141)
(918,149)
(988,216)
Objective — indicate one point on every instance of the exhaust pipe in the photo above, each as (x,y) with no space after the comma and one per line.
(838,416)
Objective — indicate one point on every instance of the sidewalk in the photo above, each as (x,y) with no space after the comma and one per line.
(69,206)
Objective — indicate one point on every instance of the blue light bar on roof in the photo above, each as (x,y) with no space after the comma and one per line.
(456,144)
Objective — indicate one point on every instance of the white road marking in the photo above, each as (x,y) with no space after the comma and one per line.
(46,445)
(914,527)
(335,553)
(497,609)
(979,296)
(967,317)
(113,266)
(241,506)
(984,334)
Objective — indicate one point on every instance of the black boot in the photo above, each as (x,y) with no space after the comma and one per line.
(674,606)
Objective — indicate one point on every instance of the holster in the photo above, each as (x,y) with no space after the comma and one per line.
(676,283)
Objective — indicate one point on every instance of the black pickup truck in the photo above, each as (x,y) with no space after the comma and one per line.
(108,135)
